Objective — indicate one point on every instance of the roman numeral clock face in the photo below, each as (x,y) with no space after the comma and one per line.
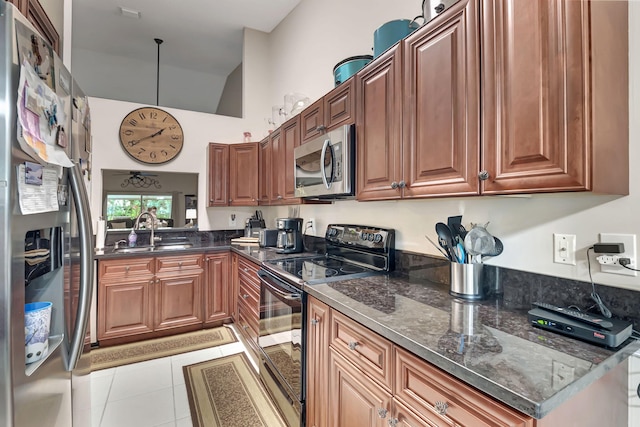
(151,135)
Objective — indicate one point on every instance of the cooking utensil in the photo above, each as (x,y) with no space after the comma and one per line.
(348,67)
(479,242)
(460,253)
(437,247)
(446,240)
(497,250)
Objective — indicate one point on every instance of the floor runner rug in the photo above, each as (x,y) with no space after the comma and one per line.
(226,392)
(125,354)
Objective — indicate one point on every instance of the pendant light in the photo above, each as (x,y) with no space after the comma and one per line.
(158,42)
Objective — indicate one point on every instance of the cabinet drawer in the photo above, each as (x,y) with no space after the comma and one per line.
(366,349)
(123,268)
(424,388)
(177,263)
(248,321)
(249,295)
(248,272)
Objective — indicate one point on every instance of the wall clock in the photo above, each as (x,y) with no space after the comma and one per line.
(151,135)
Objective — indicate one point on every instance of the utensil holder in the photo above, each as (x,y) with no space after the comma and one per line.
(466,281)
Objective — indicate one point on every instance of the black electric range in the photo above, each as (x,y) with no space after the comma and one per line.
(352,251)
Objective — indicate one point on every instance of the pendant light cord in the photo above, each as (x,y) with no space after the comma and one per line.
(158,42)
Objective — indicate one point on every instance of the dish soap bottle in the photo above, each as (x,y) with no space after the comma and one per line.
(133,238)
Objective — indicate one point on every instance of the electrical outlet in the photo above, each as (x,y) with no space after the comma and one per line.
(232,220)
(564,248)
(629,241)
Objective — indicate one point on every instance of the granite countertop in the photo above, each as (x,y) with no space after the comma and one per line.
(485,344)
(482,343)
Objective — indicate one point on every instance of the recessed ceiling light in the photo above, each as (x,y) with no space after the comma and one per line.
(129,13)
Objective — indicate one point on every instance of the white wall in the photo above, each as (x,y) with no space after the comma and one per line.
(526,225)
(292,59)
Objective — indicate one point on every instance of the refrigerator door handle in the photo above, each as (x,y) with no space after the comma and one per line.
(86,265)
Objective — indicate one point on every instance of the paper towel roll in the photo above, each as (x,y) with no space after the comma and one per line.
(101,232)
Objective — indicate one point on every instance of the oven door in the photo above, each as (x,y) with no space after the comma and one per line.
(281,344)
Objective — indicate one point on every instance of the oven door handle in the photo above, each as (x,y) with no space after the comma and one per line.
(272,284)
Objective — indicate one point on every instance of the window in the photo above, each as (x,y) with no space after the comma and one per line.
(130,205)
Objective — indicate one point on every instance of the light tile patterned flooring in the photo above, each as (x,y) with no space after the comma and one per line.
(148,394)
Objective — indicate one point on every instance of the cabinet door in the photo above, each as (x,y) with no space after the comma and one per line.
(378,127)
(535,54)
(441,146)
(243,174)
(312,121)
(216,291)
(178,299)
(35,13)
(218,174)
(317,363)
(354,399)
(265,173)
(290,140)
(339,105)
(125,307)
(277,174)
(235,287)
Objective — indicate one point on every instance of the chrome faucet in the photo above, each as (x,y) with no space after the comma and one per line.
(136,226)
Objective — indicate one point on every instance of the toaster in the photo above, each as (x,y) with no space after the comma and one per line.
(268,237)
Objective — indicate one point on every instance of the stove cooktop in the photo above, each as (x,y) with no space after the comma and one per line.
(320,269)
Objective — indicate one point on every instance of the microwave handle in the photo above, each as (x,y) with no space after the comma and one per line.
(323,153)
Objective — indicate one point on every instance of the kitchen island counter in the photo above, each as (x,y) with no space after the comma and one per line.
(485,344)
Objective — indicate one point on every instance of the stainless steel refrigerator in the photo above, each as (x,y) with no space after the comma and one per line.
(46,251)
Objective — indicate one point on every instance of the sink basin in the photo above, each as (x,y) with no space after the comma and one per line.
(166,247)
(175,246)
(128,250)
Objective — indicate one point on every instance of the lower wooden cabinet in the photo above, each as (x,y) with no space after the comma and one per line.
(248,298)
(356,377)
(217,289)
(143,297)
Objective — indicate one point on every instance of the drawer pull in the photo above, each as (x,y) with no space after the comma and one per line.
(441,407)
(245,296)
(180,264)
(246,270)
(353,345)
(382,413)
(127,268)
(245,327)
(314,322)
(393,422)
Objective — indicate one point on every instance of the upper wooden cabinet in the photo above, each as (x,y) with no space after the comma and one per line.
(35,13)
(233,174)
(499,97)
(334,109)
(264,172)
(555,96)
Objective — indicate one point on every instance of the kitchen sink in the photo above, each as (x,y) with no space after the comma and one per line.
(166,247)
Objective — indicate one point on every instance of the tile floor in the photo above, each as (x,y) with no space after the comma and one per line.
(148,394)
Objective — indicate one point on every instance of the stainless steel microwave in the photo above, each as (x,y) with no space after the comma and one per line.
(325,166)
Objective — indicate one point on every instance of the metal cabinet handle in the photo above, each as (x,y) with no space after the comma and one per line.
(483,175)
(246,270)
(402,184)
(321,128)
(353,345)
(230,200)
(279,197)
(127,268)
(382,413)
(394,185)
(245,296)
(245,327)
(151,281)
(180,264)
(392,422)
(441,407)
(314,321)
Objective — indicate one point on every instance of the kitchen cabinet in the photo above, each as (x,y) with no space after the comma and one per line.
(36,15)
(516,119)
(248,304)
(334,109)
(141,298)
(372,382)
(277,181)
(233,174)
(379,127)
(317,363)
(217,295)
(555,96)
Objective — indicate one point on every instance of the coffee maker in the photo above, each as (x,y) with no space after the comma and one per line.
(289,239)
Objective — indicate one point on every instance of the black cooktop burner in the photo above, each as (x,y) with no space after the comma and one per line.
(318,269)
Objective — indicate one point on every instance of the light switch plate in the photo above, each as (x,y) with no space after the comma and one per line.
(564,248)
(629,241)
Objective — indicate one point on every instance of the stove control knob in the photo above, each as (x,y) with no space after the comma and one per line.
(363,236)
(370,237)
(378,238)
